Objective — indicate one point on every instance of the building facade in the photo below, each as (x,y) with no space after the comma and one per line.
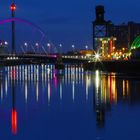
(125,34)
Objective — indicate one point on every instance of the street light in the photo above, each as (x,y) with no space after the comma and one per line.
(26,46)
(6,43)
(60,46)
(49,47)
(86,47)
(73,47)
(37,46)
(97,57)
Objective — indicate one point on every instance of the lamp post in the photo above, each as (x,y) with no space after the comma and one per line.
(6,47)
(26,47)
(60,47)
(6,43)
(86,47)
(37,47)
(49,47)
(73,47)
(13,8)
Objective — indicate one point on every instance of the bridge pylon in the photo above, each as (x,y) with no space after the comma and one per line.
(13,9)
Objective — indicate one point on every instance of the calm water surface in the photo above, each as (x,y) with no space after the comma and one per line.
(37,103)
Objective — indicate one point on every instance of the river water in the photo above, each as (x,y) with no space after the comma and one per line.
(38,103)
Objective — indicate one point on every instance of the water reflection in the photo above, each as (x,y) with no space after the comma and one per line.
(38,79)
(14,121)
(42,84)
(111,89)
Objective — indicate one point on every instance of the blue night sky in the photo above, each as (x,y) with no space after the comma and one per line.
(69,21)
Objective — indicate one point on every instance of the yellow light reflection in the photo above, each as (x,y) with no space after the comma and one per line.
(123,88)
(37,90)
(127,87)
(97,79)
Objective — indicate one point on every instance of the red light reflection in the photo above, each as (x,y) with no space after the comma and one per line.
(14,121)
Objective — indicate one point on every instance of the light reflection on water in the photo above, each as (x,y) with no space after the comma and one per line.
(96,93)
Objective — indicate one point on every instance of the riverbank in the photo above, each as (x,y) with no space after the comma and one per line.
(120,66)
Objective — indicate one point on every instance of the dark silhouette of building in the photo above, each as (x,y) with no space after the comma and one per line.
(121,34)
(125,33)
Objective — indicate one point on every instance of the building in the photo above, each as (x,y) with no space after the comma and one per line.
(124,33)
(102,43)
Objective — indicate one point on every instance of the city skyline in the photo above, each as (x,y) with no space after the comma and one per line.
(70,22)
(69,70)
